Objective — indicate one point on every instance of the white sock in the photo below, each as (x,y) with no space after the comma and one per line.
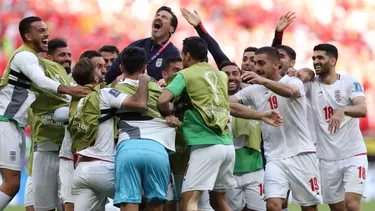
(4,200)
(286,209)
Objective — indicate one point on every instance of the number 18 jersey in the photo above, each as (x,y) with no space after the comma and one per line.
(325,99)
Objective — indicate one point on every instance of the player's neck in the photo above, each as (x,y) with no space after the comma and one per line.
(132,77)
(30,45)
(277,77)
(329,78)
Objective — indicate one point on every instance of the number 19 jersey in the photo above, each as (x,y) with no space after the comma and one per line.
(293,137)
(325,100)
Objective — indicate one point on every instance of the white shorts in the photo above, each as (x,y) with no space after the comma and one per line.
(249,192)
(46,182)
(299,174)
(66,176)
(343,176)
(12,146)
(210,168)
(92,183)
(29,193)
(172,192)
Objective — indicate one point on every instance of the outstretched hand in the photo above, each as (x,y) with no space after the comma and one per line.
(284,21)
(193,18)
(273,118)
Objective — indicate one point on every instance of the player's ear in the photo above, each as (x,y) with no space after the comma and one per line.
(292,63)
(277,65)
(122,68)
(333,61)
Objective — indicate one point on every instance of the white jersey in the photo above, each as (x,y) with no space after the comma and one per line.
(325,99)
(62,115)
(104,147)
(16,100)
(66,146)
(293,137)
(310,121)
(154,129)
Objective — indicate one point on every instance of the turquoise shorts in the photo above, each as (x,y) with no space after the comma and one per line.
(141,164)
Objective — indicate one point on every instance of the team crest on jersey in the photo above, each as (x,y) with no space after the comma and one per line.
(12,155)
(159,62)
(337,96)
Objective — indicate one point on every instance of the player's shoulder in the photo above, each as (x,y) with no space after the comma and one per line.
(22,55)
(105,92)
(347,78)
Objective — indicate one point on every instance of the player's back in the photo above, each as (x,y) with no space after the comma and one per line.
(293,137)
(325,100)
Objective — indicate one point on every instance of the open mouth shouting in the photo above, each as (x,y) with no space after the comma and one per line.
(157,24)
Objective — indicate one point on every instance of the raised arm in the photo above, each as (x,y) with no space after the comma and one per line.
(194,19)
(283,22)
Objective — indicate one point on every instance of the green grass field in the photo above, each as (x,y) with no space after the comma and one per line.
(364,207)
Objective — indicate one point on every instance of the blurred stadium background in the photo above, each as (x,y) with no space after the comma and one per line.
(235,24)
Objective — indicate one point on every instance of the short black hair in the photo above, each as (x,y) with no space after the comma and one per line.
(25,24)
(250,49)
(291,53)
(168,61)
(330,50)
(174,21)
(271,53)
(54,44)
(133,59)
(90,54)
(227,63)
(197,48)
(110,49)
(84,71)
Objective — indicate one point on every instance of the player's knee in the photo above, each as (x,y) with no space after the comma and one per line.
(273,205)
(352,205)
(12,187)
(11,183)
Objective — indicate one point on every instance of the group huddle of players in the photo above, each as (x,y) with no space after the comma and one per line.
(156,128)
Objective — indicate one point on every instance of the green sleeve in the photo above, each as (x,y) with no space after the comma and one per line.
(178,85)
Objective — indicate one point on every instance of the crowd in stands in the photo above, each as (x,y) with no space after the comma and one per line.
(235,24)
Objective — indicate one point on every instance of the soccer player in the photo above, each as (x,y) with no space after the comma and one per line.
(93,176)
(59,51)
(158,47)
(24,68)
(291,161)
(209,115)
(248,169)
(145,139)
(338,101)
(98,60)
(109,54)
(170,66)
